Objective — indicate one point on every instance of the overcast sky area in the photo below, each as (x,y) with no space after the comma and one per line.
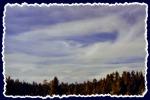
(74,43)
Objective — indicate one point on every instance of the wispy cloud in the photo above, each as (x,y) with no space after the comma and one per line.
(74,43)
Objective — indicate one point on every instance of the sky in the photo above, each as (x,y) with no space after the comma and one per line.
(74,43)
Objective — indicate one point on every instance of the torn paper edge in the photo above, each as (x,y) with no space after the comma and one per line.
(75,4)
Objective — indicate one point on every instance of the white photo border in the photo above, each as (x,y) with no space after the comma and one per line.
(75,4)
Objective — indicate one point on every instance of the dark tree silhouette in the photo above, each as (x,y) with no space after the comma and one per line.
(54,86)
(129,83)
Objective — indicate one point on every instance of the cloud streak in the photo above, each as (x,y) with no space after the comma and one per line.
(74,43)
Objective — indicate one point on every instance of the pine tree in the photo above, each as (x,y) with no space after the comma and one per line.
(54,86)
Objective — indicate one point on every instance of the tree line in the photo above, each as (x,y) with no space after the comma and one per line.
(128,83)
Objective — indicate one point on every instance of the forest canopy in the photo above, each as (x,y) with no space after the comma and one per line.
(128,83)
